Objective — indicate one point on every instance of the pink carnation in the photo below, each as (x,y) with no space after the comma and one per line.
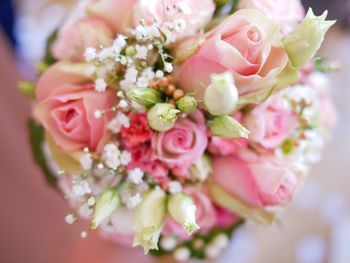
(139,132)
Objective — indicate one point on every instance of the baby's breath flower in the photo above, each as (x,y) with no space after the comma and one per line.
(125,158)
(70,219)
(134,201)
(135,176)
(111,156)
(86,161)
(90,54)
(100,85)
(168,67)
(81,188)
(175,187)
(121,120)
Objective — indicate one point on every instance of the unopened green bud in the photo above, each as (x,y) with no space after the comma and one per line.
(162,116)
(145,96)
(106,204)
(187,104)
(182,209)
(227,127)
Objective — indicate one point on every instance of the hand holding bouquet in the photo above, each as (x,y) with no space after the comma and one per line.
(168,123)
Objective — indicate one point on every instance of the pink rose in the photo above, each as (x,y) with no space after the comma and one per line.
(139,132)
(224,218)
(75,38)
(271,123)
(182,145)
(287,12)
(195,15)
(222,146)
(246,44)
(116,13)
(263,183)
(66,107)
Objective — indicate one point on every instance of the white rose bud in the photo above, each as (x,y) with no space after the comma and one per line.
(182,209)
(227,127)
(149,219)
(303,43)
(107,203)
(162,116)
(221,95)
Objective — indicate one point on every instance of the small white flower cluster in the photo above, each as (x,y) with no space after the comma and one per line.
(131,193)
(80,187)
(135,176)
(217,246)
(104,62)
(114,157)
(86,161)
(118,122)
(145,33)
(305,99)
(212,250)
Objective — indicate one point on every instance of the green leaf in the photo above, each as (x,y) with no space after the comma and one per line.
(48,58)
(225,7)
(36,136)
(27,88)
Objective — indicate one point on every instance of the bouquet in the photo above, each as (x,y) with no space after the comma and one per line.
(167,124)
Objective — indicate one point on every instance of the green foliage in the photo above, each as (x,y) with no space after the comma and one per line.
(27,88)
(225,7)
(36,136)
(48,58)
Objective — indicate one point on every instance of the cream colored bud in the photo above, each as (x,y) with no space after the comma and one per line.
(221,95)
(107,203)
(202,168)
(162,116)
(182,209)
(149,219)
(303,43)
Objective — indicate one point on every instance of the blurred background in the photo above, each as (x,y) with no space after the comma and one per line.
(316,229)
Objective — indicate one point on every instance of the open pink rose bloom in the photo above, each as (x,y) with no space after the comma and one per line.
(165,122)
